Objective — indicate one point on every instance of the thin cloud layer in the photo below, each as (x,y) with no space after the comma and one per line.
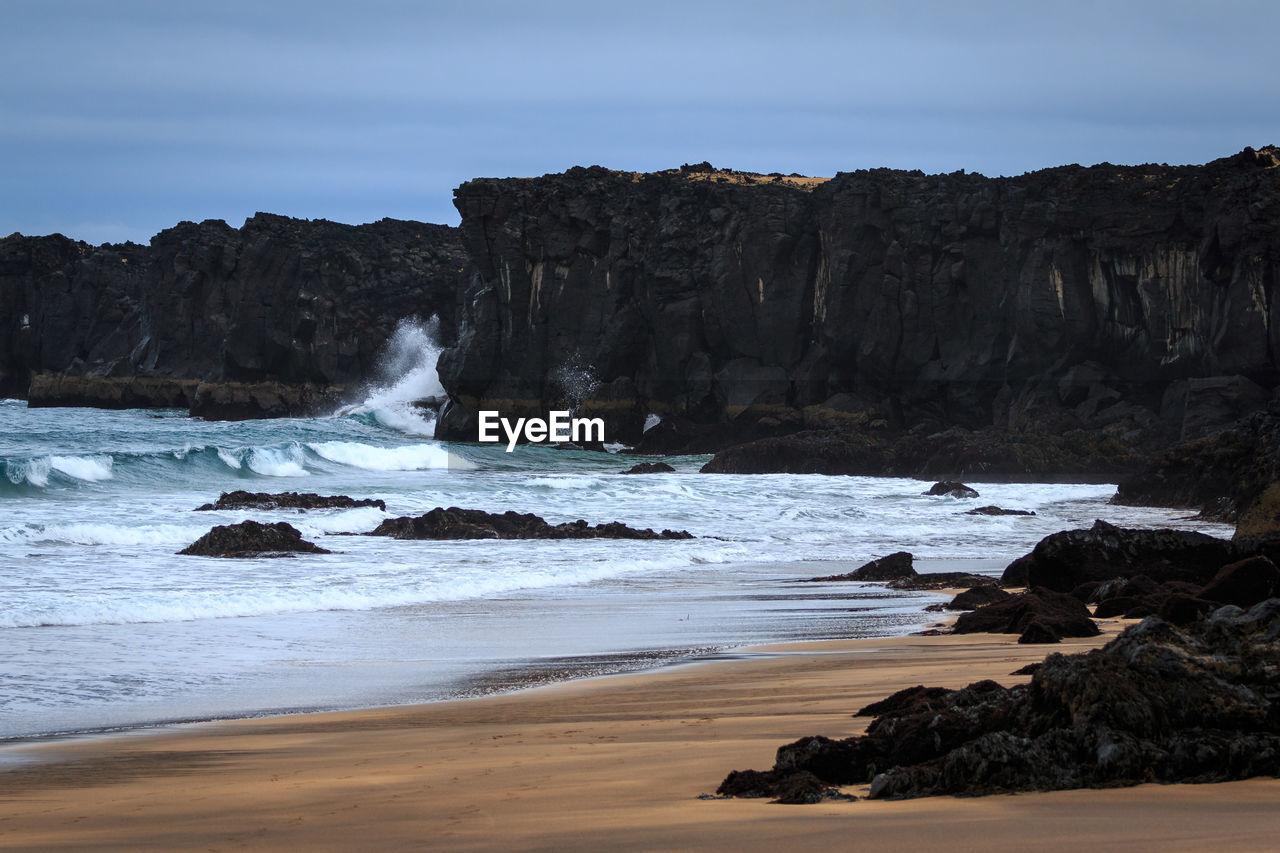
(121,119)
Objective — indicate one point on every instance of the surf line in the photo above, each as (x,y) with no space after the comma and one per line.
(561,426)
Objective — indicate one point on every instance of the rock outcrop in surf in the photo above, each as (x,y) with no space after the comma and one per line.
(455,523)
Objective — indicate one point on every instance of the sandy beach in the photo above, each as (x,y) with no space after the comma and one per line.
(616,762)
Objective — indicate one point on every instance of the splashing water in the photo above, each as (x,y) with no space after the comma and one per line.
(576,382)
(407,373)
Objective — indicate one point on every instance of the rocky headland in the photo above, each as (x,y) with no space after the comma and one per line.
(276,318)
(1067,321)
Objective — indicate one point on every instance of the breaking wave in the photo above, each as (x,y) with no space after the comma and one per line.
(407,376)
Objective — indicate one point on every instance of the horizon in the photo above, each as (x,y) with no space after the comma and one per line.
(257,213)
(118,123)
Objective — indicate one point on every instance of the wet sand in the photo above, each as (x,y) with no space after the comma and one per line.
(614,762)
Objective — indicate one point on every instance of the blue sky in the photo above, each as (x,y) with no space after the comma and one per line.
(118,119)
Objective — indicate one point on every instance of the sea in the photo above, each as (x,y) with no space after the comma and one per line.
(104,627)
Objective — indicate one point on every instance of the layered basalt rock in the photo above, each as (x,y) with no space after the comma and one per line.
(1157,704)
(278,317)
(1088,299)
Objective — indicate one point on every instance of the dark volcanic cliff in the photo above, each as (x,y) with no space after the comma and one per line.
(1134,300)
(268,318)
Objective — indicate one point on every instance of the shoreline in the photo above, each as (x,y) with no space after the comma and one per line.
(569,765)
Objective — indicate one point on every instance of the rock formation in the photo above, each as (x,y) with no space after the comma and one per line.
(252,539)
(1131,303)
(1159,703)
(455,523)
(272,318)
(241,499)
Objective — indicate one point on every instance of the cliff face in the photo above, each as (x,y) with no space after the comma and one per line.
(1139,299)
(270,316)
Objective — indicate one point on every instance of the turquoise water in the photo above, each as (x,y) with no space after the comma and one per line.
(103,625)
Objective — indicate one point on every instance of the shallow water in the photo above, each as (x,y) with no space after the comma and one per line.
(102,624)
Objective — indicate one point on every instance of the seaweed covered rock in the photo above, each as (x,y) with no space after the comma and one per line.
(1159,703)
(252,539)
(455,523)
(1063,561)
(240,499)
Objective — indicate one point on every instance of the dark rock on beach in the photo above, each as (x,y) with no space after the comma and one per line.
(893,567)
(910,700)
(1063,561)
(1065,614)
(252,539)
(978,596)
(952,489)
(1039,633)
(455,523)
(650,468)
(943,580)
(898,572)
(1159,703)
(288,500)
(995,510)
(799,788)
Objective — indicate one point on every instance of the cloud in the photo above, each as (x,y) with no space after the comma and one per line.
(150,112)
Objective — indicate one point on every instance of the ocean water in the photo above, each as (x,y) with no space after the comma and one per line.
(103,625)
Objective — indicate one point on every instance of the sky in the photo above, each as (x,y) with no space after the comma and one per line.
(119,118)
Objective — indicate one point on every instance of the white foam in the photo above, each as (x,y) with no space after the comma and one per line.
(650,421)
(89,533)
(89,468)
(270,462)
(414,457)
(33,471)
(409,373)
(159,605)
(231,460)
(358,520)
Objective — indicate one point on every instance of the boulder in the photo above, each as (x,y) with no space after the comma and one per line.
(1244,583)
(1064,561)
(893,567)
(978,596)
(1059,611)
(952,489)
(252,539)
(1039,633)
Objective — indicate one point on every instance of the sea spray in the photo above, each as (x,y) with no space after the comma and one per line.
(406,375)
